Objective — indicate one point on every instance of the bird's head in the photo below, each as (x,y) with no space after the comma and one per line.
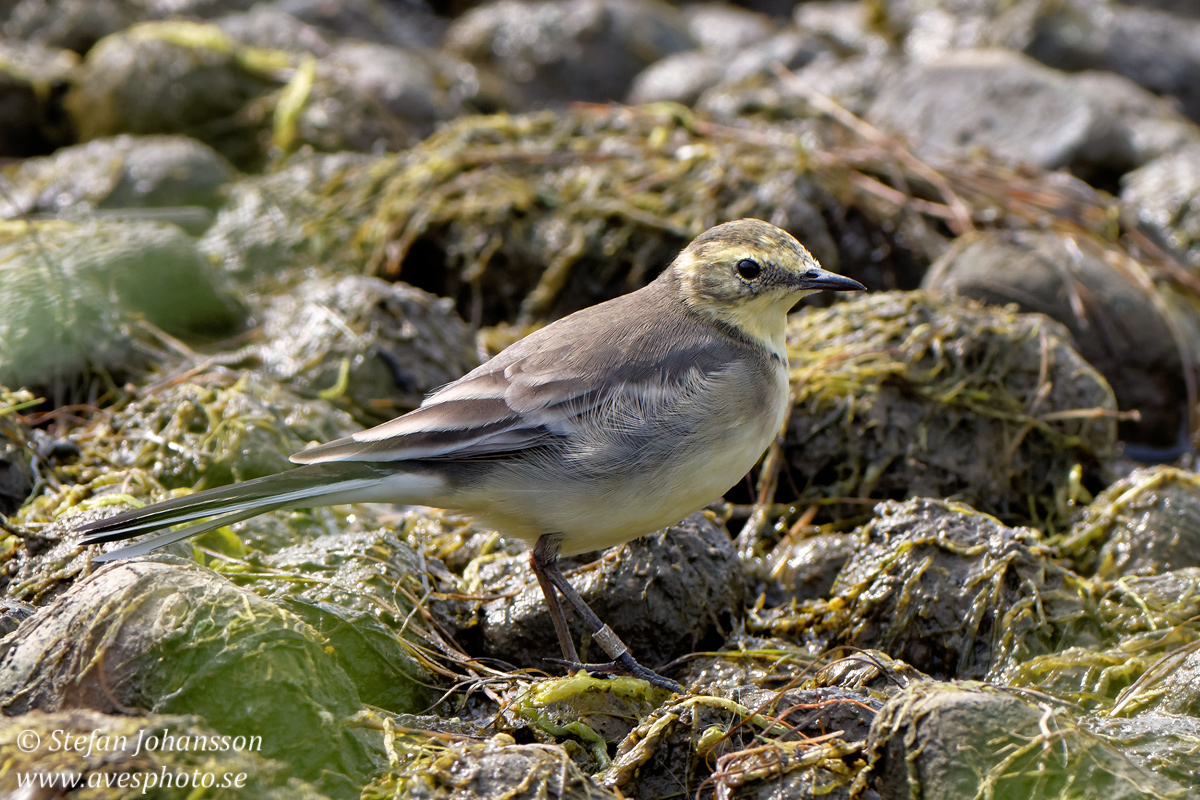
(749,274)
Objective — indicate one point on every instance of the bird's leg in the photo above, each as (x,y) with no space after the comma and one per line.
(544,560)
(556,613)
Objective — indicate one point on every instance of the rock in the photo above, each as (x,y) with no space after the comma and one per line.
(679,78)
(1145,524)
(847,25)
(373,97)
(18,455)
(685,77)
(410,23)
(267,26)
(943,742)
(1155,49)
(381,346)
(548,49)
(1112,310)
(1161,743)
(120,173)
(173,638)
(70,24)
(947,590)
(901,395)
(177,77)
(1004,103)
(806,569)
(499,213)
(12,614)
(1163,194)
(1104,669)
(1172,688)
(214,431)
(33,80)
(68,296)
(1154,126)
(498,768)
(719,26)
(296,218)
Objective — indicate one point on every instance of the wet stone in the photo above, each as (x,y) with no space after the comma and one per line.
(806,569)
(1115,323)
(1145,524)
(1172,686)
(378,347)
(1165,744)
(122,172)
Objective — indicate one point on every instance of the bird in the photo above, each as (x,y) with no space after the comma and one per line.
(605,425)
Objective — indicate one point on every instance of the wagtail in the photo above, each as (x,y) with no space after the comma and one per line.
(601,427)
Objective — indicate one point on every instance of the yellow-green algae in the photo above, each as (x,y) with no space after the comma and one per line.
(903,394)
(514,205)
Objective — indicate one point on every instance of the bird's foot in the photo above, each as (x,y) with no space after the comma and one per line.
(625,665)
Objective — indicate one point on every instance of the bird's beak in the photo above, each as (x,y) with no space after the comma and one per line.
(817,278)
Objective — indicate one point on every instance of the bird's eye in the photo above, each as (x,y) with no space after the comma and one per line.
(748,270)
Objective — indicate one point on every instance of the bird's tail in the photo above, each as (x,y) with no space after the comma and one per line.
(310,485)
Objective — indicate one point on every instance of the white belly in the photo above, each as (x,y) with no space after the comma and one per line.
(652,493)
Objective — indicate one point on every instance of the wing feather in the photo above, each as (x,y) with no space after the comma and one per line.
(544,388)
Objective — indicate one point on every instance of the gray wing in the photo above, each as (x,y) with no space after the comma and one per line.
(544,389)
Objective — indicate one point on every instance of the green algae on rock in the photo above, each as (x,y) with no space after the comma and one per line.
(153,756)
(1110,304)
(69,295)
(465,769)
(948,742)
(359,590)
(213,429)
(178,77)
(173,638)
(119,173)
(300,215)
